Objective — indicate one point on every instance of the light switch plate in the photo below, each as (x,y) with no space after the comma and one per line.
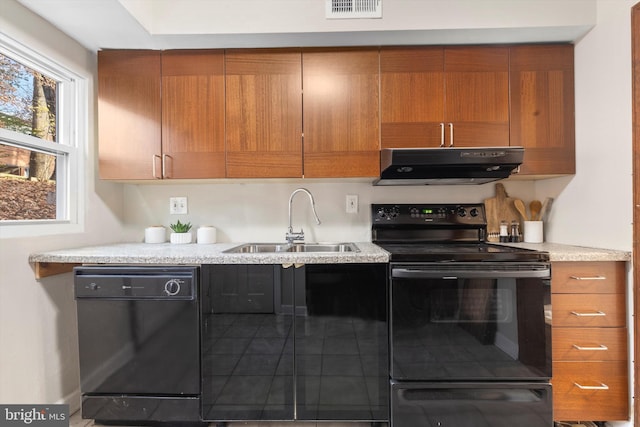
(352,203)
(177,205)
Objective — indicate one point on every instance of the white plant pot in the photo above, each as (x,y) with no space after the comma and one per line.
(180,238)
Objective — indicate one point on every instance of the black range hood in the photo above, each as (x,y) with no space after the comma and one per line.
(447,166)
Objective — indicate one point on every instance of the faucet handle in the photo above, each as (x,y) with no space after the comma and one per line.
(293,236)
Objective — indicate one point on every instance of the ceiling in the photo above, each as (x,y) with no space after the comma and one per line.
(171,24)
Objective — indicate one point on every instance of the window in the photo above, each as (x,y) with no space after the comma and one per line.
(40,162)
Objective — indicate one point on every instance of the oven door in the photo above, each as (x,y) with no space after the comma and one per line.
(471,404)
(470,321)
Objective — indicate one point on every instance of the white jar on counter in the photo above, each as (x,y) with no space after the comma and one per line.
(206,235)
(155,234)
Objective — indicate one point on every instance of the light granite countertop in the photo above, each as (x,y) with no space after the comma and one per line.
(170,254)
(560,252)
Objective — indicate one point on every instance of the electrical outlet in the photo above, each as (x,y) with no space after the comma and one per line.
(177,205)
(352,203)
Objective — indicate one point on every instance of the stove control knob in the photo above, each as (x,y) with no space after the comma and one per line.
(381,213)
(462,212)
(394,212)
(172,287)
(474,212)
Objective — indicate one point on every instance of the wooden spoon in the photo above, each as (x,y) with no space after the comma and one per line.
(520,208)
(535,207)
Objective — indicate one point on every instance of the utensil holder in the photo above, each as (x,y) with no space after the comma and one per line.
(533,232)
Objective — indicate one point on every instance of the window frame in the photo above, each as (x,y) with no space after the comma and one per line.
(70,146)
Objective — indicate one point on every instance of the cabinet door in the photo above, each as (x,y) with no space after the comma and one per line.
(342,364)
(477,96)
(542,108)
(341,122)
(247,351)
(129,114)
(412,97)
(263,114)
(193,114)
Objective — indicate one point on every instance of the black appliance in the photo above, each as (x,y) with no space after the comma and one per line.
(447,166)
(139,343)
(470,331)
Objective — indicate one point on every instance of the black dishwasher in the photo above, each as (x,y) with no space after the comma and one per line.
(138,332)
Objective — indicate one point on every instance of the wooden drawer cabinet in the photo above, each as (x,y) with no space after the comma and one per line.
(589,344)
(585,310)
(589,348)
(590,391)
(588,277)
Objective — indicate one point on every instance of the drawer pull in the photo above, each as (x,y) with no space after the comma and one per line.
(595,314)
(588,278)
(592,387)
(599,348)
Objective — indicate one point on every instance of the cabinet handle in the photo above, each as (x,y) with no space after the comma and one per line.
(153,166)
(588,278)
(599,348)
(592,387)
(164,169)
(451,134)
(595,314)
(441,134)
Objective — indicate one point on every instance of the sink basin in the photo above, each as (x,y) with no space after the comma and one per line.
(324,247)
(255,248)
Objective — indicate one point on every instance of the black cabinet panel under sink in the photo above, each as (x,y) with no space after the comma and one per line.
(319,354)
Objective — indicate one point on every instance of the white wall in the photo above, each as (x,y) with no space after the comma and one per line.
(596,207)
(258,210)
(38,344)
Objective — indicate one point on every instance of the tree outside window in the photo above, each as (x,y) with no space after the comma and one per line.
(28,106)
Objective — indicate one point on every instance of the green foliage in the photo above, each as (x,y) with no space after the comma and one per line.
(179,227)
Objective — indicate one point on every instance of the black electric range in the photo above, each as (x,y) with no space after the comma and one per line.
(441,233)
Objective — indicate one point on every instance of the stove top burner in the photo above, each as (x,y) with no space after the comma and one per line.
(459,252)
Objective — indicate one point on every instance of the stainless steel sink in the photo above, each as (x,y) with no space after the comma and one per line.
(254,248)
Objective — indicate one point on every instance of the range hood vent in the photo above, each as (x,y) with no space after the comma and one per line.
(447,166)
(350,9)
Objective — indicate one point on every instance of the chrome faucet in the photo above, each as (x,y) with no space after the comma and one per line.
(299,236)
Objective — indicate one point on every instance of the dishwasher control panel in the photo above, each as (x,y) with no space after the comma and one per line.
(136,282)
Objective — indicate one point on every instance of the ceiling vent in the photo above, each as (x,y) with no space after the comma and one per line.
(351,9)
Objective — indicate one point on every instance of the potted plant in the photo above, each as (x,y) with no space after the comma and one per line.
(181,232)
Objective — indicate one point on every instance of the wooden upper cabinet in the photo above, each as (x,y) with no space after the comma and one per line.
(341,120)
(477,96)
(412,96)
(129,114)
(542,108)
(193,114)
(434,96)
(263,113)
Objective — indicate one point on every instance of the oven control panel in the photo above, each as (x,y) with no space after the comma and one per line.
(443,214)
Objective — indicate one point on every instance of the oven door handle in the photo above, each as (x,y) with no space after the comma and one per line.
(416,273)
